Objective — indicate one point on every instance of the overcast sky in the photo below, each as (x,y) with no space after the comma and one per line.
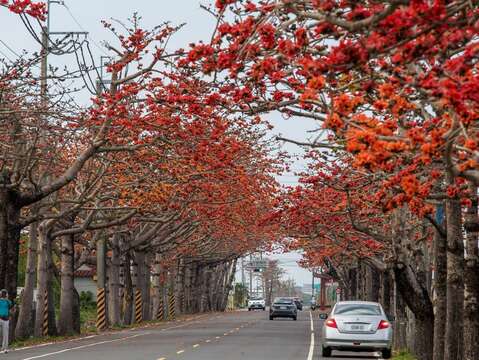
(86,15)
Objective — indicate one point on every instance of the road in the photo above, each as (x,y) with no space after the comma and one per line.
(231,336)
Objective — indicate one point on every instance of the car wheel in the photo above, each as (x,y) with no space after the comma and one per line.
(271,318)
(264,309)
(326,352)
(386,354)
(295,318)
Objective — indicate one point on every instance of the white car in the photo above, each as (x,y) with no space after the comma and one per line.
(357,326)
(256,303)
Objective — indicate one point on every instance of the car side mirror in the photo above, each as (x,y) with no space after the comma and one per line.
(323,316)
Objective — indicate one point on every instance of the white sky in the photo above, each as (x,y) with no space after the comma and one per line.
(199,25)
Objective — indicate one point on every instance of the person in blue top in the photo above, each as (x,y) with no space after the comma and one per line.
(5,306)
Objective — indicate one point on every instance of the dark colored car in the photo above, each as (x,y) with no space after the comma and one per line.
(299,303)
(283,307)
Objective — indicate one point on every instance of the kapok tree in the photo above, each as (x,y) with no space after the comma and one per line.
(395,82)
(34,133)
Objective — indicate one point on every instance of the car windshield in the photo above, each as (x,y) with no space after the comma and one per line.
(357,309)
(283,301)
(256,298)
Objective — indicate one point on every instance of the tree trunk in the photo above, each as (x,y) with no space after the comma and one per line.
(179,286)
(44,281)
(375,284)
(353,276)
(76,311)
(25,323)
(204,289)
(440,294)
(455,285)
(9,238)
(401,320)
(386,292)
(65,320)
(471,281)
(114,282)
(417,299)
(128,298)
(146,288)
(156,285)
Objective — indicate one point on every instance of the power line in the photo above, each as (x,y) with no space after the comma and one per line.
(9,48)
(83,29)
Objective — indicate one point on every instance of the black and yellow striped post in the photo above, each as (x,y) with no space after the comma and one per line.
(45,314)
(138,306)
(160,314)
(100,309)
(171,305)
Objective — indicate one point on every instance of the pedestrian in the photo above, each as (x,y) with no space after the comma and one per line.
(5,306)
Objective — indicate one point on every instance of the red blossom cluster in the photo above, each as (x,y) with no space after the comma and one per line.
(34,9)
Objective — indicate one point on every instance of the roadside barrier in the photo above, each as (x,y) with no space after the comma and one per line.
(101,310)
(160,314)
(171,305)
(45,314)
(138,306)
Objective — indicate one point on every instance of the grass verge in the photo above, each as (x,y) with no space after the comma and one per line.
(403,355)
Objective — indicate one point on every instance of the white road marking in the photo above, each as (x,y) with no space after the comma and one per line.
(311,345)
(78,339)
(208,340)
(180,352)
(53,343)
(84,346)
(196,345)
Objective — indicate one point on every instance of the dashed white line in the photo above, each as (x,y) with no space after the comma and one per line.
(180,352)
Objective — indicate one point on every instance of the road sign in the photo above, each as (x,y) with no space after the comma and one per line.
(257,265)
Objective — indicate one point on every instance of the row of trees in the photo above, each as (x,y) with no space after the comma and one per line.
(154,183)
(169,163)
(393,175)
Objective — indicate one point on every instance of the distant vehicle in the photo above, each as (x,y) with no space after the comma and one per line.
(298,302)
(357,326)
(283,307)
(256,303)
(313,304)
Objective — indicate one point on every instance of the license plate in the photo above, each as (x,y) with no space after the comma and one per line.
(357,327)
(283,307)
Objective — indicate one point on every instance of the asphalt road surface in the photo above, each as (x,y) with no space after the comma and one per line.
(231,336)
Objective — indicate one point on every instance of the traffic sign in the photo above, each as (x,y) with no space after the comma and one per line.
(257,264)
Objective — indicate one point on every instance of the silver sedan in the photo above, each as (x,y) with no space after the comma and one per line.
(357,326)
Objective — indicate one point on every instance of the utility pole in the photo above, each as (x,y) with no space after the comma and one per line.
(312,285)
(242,272)
(101,322)
(46,33)
(250,276)
(44,65)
